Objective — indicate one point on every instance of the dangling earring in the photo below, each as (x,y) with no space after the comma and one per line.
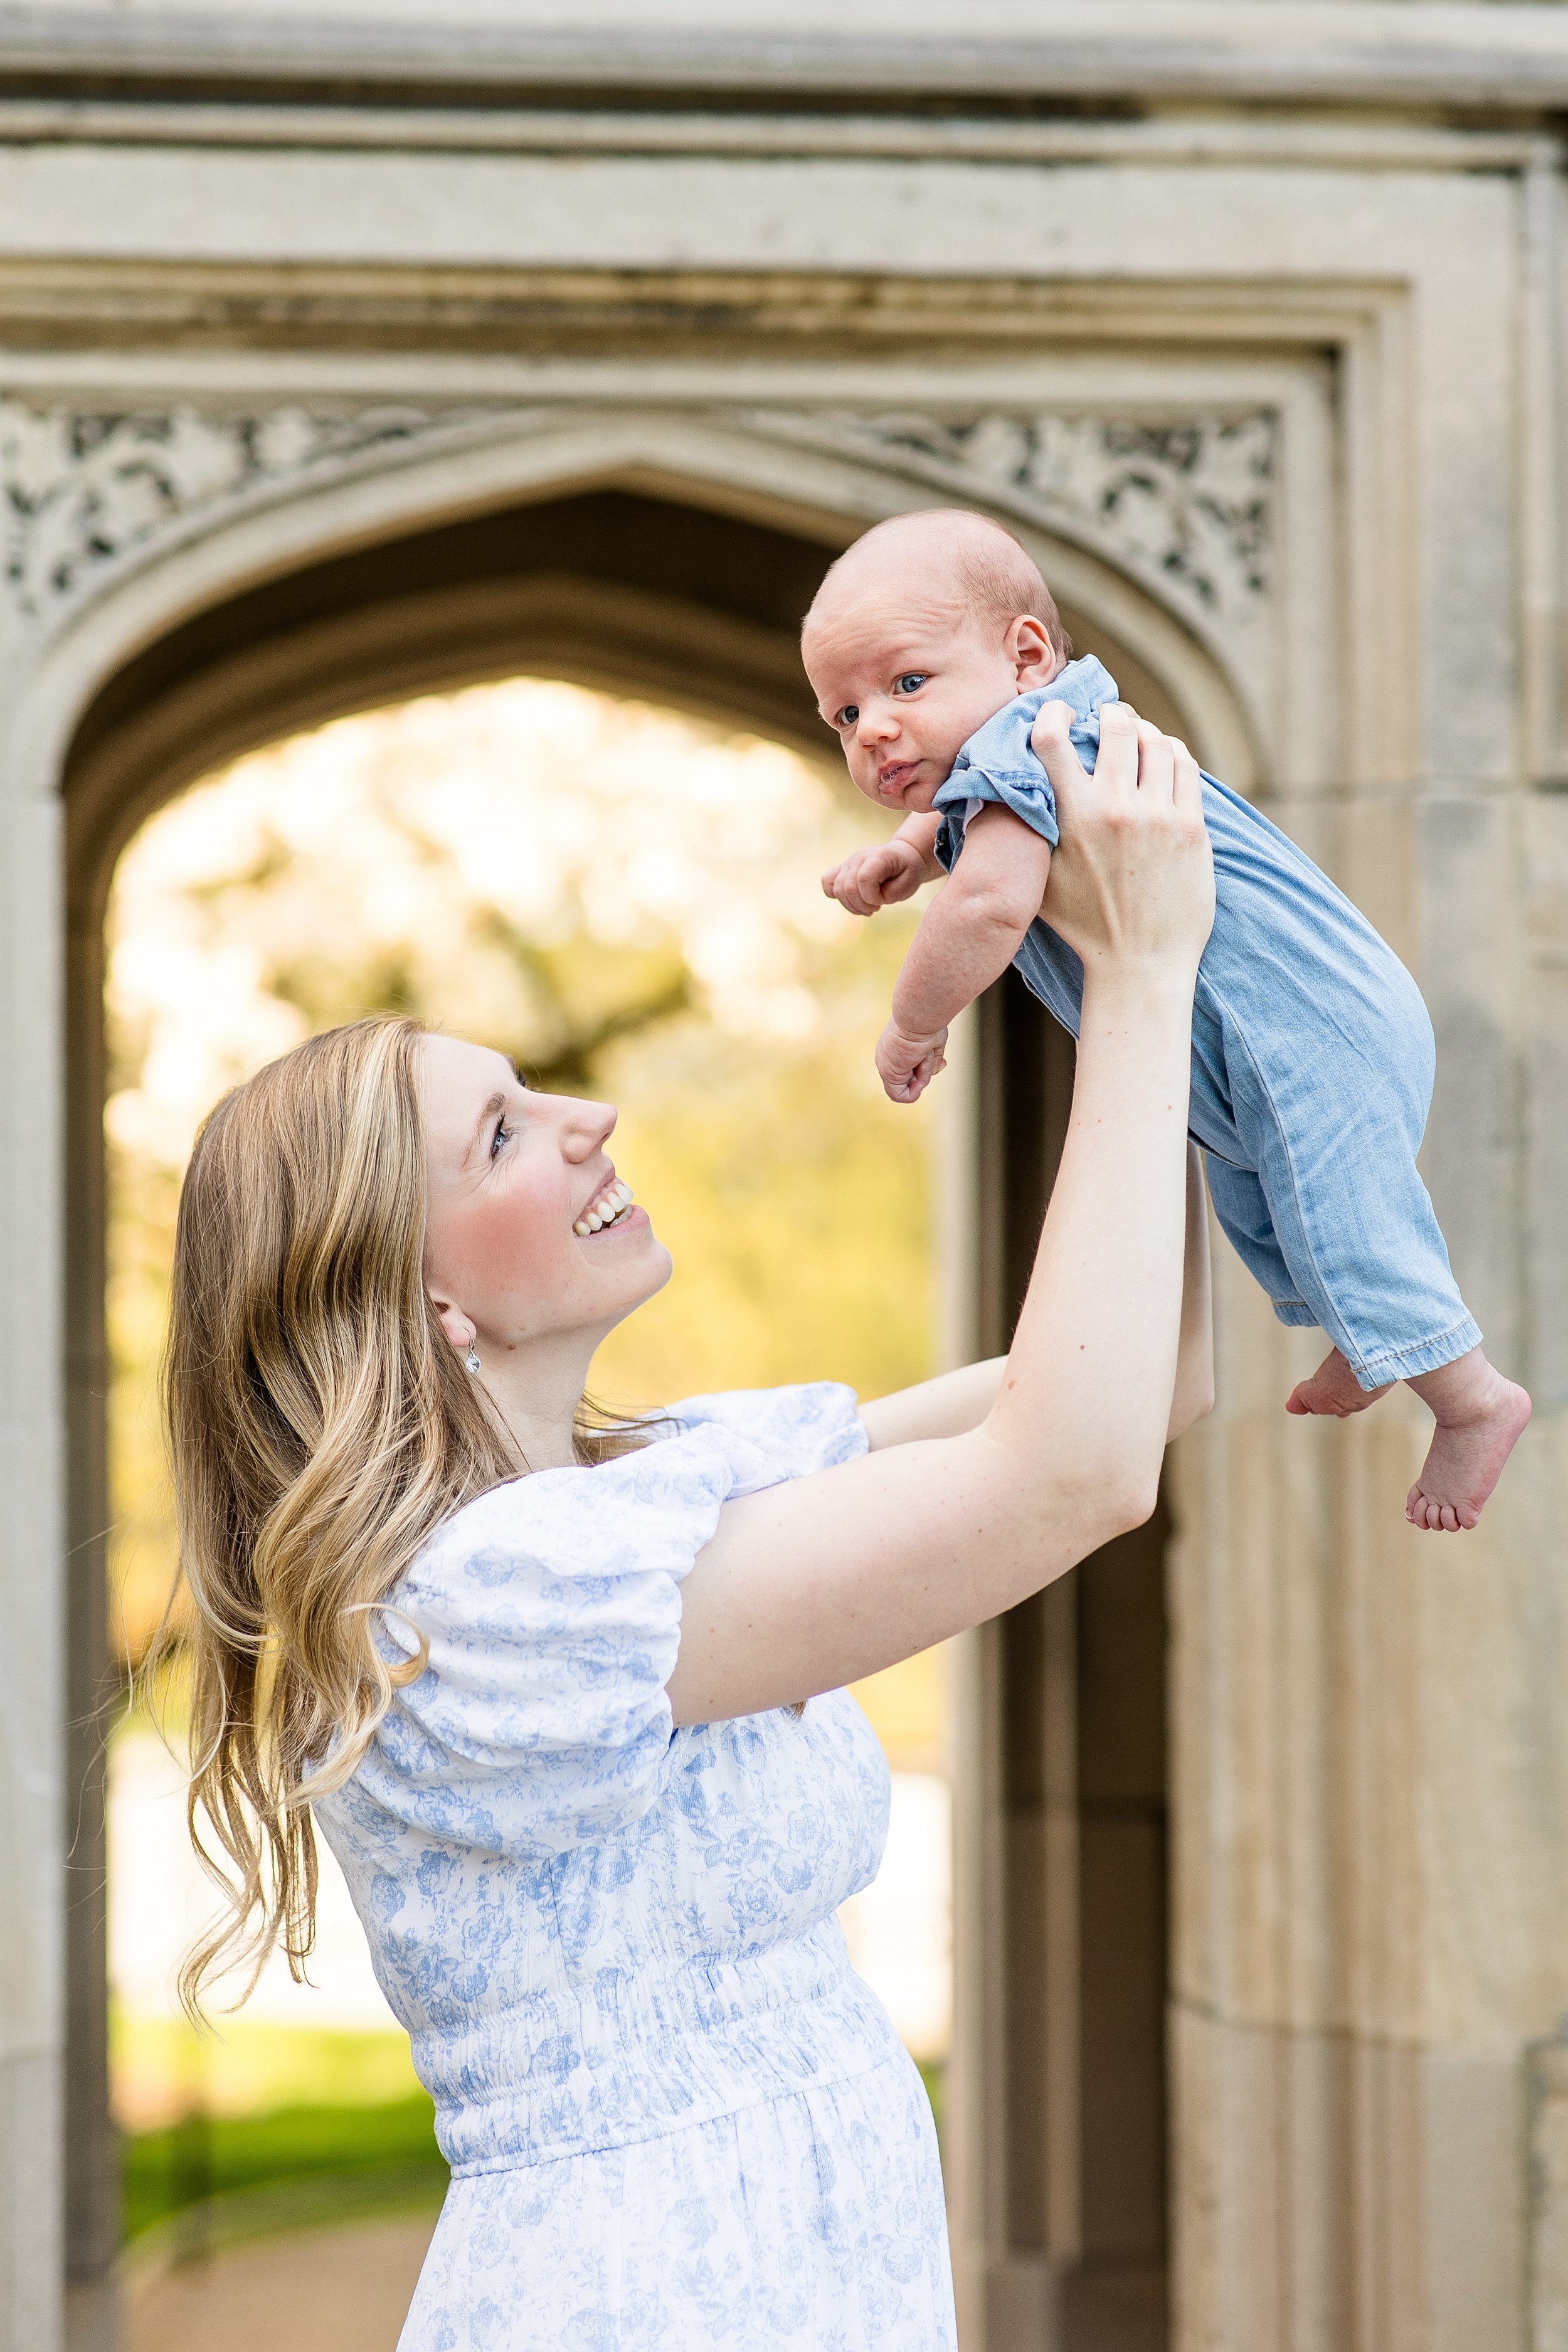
(472,1358)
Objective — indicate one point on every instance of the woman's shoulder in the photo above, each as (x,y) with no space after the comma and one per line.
(807,1426)
(653,1508)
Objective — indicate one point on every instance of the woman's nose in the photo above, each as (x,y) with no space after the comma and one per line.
(588,1125)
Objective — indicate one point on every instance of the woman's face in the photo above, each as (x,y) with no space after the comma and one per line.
(516,1180)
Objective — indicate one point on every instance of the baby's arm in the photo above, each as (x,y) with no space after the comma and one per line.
(890,870)
(967,937)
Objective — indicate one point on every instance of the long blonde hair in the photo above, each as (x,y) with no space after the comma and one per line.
(320,1428)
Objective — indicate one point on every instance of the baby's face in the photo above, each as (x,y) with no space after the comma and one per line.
(904,688)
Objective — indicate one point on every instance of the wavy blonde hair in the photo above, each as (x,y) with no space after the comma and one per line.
(320,1428)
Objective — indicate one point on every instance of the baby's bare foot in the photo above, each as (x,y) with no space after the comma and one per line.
(1480,1419)
(1333,1388)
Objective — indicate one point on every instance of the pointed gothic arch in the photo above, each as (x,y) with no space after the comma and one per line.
(674,558)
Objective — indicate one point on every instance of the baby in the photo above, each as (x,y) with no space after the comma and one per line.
(931,646)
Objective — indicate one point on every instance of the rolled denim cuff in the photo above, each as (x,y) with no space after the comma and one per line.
(1426,1356)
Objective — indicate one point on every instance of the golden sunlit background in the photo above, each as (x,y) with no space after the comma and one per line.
(628,902)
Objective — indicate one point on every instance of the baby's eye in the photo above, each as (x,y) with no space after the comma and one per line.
(912,681)
(847,716)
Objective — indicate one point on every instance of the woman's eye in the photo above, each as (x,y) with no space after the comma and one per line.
(502,1135)
(849,715)
(912,681)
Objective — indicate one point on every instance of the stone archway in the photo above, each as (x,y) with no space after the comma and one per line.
(688,587)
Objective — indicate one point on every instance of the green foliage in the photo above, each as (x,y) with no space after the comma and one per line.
(381,2156)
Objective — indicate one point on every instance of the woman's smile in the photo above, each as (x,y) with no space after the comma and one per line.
(614,1206)
(611,1213)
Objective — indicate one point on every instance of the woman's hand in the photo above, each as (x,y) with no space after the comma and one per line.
(816,1583)
(1133,879)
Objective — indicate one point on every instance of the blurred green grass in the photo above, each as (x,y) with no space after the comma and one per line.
(327,2162)
(336,2158)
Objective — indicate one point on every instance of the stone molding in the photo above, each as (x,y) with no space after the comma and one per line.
(1188,506)
(1388,52)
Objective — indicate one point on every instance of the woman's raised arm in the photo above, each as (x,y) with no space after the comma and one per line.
(815,1583)
(952,1402)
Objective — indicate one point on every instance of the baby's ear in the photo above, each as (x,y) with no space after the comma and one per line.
(1029,648)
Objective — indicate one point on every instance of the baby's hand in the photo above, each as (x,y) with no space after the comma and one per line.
(880,876)
(907,1065)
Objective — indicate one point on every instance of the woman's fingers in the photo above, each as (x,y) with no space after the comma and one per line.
(1188,782)
(1132,874)
(1051,736)
(1116,768)
(1134,755)
(1156,761)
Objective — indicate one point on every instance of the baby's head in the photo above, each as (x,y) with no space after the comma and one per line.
(921,631)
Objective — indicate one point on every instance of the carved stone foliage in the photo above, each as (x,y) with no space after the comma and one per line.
(82,490)
(1190,504)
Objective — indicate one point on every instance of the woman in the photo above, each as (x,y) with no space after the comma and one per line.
(579,1738)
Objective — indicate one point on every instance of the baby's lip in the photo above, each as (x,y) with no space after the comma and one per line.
(895,775)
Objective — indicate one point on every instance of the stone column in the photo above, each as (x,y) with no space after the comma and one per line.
(32,1544)
(1371,1741)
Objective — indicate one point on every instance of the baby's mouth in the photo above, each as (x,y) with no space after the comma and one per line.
(610,1207)
(895,775)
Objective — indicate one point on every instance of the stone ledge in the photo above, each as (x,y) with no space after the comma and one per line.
(1334,52)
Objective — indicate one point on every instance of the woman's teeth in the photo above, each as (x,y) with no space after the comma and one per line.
(605,1209)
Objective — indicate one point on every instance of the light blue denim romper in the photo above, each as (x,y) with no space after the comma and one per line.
(1312,1061)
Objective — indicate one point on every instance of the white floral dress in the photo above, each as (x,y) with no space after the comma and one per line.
(675,2116)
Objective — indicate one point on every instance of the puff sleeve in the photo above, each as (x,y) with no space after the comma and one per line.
(552,1610)
(790,1431)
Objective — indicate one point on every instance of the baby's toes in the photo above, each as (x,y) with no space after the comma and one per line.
(1437,1518)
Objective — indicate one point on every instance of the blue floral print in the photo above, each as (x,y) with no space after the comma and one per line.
(675,2115)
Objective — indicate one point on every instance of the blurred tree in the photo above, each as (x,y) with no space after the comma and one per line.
(652,931)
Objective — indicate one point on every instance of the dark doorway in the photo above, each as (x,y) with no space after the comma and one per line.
(1076,1682)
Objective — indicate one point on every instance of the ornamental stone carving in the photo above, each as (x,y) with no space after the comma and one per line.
(1188,505)
(82,490)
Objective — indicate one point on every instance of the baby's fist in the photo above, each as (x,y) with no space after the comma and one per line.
(879,876)
(907,1065)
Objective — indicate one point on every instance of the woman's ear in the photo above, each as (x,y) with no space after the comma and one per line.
(1034,658)
(459,1328)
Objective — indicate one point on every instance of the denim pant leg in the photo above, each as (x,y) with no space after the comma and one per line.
(1243,1212)
(1349,1215)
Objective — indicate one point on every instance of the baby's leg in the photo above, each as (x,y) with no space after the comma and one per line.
(1480,1418)
(1333,1388)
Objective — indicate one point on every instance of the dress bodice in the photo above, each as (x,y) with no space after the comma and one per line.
(594,1927)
